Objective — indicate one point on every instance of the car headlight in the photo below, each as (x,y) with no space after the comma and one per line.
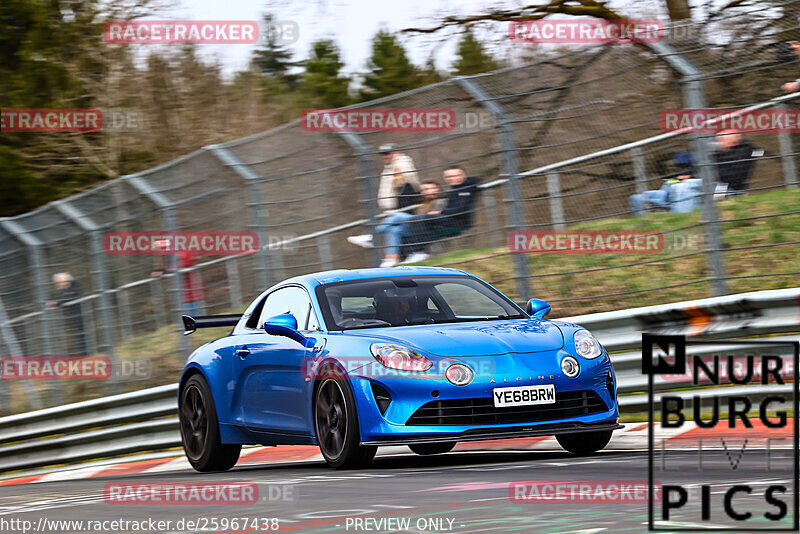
(399,357)
(586,345)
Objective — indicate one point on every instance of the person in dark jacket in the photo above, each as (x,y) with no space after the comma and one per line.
(68,290)
(734,160)
(454,218)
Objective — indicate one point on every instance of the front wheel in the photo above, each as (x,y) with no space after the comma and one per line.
(200,429)
(336,424)
(427,449)
(583,443)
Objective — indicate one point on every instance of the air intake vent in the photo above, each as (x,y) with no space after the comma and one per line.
(382,397)
(482,411)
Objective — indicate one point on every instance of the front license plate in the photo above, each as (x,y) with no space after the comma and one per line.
(524,395)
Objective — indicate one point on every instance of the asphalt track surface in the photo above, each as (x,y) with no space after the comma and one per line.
(461,492)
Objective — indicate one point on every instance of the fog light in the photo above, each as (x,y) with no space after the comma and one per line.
(459,374)
(570,366)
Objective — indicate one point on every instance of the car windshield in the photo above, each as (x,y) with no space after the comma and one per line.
(412,300)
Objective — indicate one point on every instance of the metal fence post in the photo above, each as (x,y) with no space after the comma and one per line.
(694,98)
(99,275)
(510,164)
(234,283)
(258,211)
(366,178)
(490,208)
(787,154)
(639,170)
(10,340)
(325,252)
(165,206)
(33,246)
(556,204)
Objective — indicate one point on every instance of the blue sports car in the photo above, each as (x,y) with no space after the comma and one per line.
(350,360)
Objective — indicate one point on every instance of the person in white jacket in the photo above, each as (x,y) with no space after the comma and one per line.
(398,188)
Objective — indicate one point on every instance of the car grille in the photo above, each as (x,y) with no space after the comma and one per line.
(482,411)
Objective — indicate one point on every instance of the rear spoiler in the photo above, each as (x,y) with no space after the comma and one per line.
(190,324)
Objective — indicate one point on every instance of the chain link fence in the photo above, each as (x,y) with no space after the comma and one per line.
(560,143)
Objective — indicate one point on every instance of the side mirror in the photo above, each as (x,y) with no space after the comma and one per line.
(284,325)
(537,308)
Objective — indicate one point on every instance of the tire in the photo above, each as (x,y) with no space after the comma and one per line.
(336,423)
(200,429)
(427,449)
(583,443)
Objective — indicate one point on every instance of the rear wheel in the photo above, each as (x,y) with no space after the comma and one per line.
(336,424)
(200,429)
(427,449)
(584,442)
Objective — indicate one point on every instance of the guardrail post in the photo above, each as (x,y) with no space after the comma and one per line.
(639,170)
(369,191)
(556,204)
(694,98)
(787,154)
(510,164)
(258,211)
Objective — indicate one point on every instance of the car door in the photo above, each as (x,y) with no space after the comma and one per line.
(271,389)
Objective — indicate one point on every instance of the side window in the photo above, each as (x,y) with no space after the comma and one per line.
(293,300)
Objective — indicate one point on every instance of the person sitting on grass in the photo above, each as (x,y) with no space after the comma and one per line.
(681,192)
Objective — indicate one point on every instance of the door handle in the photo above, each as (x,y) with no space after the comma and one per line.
(242,352)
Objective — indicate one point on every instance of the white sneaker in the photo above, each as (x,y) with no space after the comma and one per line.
(388,263)
(416,257)
(364,240)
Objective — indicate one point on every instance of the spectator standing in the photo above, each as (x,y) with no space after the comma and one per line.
(786,52)
(398,187)
(191,284)
(67,290)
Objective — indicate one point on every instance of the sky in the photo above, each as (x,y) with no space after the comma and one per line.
(351,23)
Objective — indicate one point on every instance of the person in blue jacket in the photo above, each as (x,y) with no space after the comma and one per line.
(681,192)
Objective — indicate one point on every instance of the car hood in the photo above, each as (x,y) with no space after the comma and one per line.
(482,338)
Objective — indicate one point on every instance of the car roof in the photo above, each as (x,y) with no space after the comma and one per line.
(347,275)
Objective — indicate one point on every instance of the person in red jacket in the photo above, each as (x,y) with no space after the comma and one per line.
(191,283)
